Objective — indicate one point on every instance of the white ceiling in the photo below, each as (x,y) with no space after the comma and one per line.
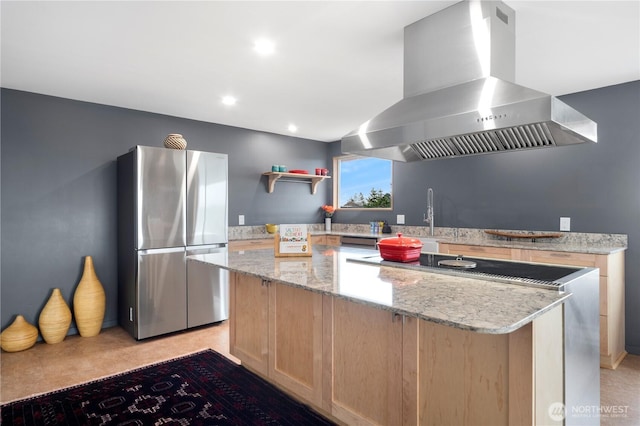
(337,63)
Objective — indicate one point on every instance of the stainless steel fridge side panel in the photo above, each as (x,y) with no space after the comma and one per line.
(207,290)
(207,196)
(127,261)
(160,203)
(161,292)
(582,349)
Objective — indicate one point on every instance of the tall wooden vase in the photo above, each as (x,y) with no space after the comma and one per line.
(89,301)
(20,335)
(55,318)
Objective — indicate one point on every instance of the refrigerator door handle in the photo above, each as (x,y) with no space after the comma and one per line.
(161,250)
(191,249)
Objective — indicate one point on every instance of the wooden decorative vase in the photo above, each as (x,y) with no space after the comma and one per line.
(89,301)
(175,141)
(19,336)
(55,318)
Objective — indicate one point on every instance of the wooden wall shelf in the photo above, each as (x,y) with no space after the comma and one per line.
(293,177)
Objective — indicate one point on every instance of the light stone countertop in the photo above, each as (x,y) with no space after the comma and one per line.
(545,245)
(466,303)
(569,242)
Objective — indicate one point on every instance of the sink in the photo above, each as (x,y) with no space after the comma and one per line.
(429,245)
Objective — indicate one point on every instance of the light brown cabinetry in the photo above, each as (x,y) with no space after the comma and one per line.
(461,377)
(478,251)
(365,365)
(276,330)
(249,321)
(255,244)
(612,326)
(319,240)
(327,240)
(295,340)
(362,363)
(333,240)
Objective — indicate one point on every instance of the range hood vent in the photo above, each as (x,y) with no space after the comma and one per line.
(530,136)
(458,96)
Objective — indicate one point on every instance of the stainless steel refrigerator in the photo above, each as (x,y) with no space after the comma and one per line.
(171,203)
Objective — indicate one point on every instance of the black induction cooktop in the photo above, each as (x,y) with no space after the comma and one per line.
(501,268)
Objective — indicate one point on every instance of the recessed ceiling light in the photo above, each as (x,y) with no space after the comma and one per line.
(293,128)
(264,46)
(229,100)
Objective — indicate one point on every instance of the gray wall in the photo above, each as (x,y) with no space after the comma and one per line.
(596,185)
(59,189)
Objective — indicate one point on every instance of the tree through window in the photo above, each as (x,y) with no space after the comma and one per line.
(363,182)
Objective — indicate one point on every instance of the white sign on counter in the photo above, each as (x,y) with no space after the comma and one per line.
(293,240)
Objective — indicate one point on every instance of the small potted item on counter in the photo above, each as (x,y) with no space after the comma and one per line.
(271,228)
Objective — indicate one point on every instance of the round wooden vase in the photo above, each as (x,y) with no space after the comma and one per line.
(89,301)
(55,318)
(175,141)
(20,335)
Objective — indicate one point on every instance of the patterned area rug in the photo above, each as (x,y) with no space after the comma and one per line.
(199,389)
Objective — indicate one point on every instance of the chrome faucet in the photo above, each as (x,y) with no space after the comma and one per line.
(428,218)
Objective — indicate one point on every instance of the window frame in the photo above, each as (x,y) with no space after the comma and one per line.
(336,183)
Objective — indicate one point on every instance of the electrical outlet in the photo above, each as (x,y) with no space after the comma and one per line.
(400,219)
(240,219)
(565,224)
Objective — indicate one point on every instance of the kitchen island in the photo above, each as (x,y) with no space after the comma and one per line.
(603,251)
(380,345)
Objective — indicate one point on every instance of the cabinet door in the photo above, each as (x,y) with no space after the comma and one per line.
(462,376)
(319,239)
(612,290)
(612,326)
(363,363)
(333,240)
(476,251)
(257,244)
(248,321)
(561,258)
(295,340)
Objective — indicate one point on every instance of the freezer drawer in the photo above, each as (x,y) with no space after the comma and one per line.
(207,293)
(161,292)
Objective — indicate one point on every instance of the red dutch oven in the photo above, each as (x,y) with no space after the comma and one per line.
(400,249)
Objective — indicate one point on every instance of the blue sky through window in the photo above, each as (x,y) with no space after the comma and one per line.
(361,175)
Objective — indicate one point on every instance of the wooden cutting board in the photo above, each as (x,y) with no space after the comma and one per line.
(522,235)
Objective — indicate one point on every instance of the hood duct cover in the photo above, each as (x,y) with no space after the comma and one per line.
(458,98)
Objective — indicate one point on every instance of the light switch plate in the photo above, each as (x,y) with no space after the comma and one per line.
(400,219)
(240,219)
(565,224)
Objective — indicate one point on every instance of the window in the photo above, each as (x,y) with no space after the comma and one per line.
(362,182)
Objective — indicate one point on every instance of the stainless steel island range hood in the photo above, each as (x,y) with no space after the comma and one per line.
(459,98)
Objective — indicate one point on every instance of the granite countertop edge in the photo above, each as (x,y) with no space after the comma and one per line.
(539,245)
(471,304)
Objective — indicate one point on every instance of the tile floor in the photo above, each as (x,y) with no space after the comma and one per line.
(44,367)
(77,359)
(620,393)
